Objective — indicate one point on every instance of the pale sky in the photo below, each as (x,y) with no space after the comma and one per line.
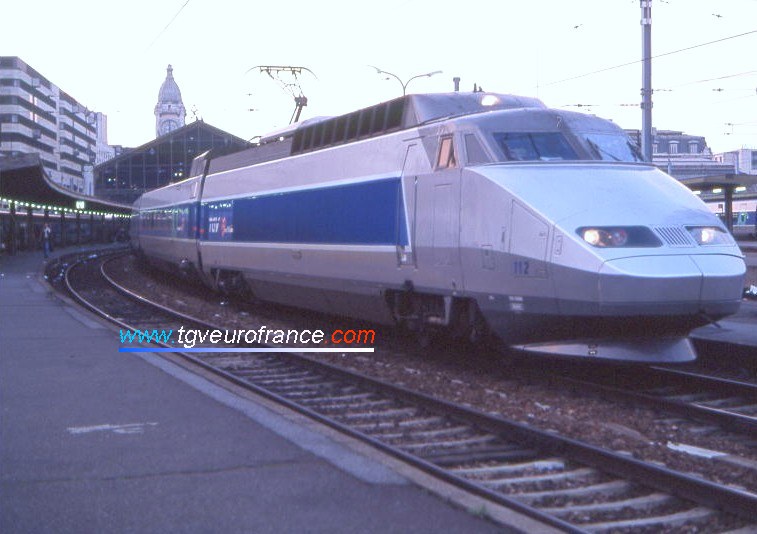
(112,57)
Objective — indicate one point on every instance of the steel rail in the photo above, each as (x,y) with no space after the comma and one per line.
(689,398)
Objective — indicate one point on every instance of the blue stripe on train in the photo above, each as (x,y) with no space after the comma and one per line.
(365,213)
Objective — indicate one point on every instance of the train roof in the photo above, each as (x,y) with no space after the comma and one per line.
(401,113)
(398,114)
(289,129)
(421,109)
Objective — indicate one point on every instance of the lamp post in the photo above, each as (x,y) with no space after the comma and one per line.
(405,84)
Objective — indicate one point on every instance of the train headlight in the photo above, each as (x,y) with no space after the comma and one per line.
(707,235)
(619,236)
(710,235)
(592,236)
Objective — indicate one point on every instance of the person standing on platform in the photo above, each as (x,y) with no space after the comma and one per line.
(47,235)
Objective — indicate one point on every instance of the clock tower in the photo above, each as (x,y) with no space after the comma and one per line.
(169,111)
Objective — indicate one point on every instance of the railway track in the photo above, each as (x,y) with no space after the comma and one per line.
(562,482)
(726,403)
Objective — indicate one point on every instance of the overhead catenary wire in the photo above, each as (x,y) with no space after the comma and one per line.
(635,62)
(167,25)
(717,78)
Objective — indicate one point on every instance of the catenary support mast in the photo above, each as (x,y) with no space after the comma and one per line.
(646,79)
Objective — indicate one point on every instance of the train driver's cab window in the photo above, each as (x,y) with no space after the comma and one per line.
(475,152)
(446,158)
(535,146)
(610,147)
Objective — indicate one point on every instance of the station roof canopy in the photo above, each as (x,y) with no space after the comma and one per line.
(721,180)
(23,179)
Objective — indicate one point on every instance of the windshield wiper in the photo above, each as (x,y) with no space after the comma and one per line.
(635,151)
(599,151)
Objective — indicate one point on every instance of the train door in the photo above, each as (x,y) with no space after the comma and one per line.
(200,166)
(437,221)
(416,163)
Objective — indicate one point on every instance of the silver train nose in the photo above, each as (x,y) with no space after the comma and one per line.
(676,284)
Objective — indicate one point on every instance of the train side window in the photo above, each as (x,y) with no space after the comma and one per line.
(446,159)
(475,152)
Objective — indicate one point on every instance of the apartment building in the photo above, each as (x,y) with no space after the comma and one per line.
(36,116)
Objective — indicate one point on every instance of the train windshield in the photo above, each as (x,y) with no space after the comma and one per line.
(610,147)
(535,146)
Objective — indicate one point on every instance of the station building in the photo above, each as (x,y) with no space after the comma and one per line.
(160,162)
(681,155)
(166,159)
(744,160)
(54,155)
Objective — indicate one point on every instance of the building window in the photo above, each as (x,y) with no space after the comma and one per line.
(655,148)
(674,147)
(693,147)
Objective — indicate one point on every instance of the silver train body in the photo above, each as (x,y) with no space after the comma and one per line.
(462,211)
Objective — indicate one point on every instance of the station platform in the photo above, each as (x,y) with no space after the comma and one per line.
(739,329)
(93,440)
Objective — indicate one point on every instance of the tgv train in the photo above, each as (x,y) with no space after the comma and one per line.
(470,212)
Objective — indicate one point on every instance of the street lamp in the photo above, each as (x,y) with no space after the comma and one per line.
(405,84)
